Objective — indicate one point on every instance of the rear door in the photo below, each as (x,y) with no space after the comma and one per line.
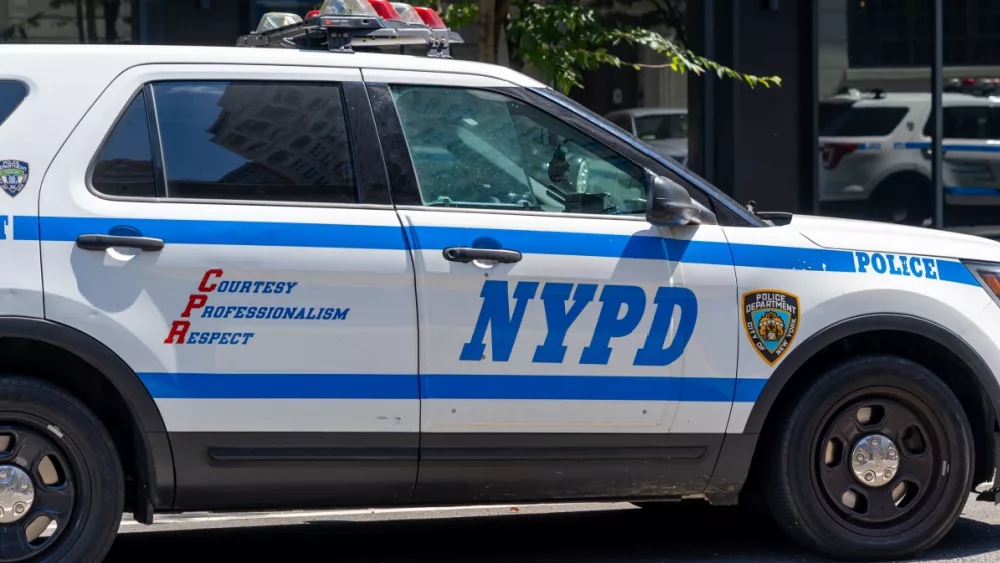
(259,286)
(568,348)
(971,153)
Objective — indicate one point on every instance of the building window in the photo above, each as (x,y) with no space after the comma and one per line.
(69,21)
(897,33)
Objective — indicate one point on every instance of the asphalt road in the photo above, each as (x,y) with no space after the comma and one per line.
(582,533)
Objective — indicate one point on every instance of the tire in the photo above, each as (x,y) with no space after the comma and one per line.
(906,199)
(44,428)
(883,396)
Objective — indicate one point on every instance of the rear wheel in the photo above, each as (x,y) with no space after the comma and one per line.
(874,461)
(905,199)
(61,485)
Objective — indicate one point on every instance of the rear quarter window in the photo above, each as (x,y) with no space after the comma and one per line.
(12,93)
(855,121)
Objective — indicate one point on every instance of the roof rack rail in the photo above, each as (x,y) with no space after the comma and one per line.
(341,25)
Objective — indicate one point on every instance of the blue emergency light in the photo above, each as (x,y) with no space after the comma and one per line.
(341,25)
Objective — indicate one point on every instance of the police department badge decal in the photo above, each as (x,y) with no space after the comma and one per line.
(771,320)
(13,176)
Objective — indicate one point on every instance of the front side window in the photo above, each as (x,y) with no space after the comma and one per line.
(264,141)
(475,148)
(964,122)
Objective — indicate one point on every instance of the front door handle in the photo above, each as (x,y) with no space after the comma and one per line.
(465,254)
(104,242)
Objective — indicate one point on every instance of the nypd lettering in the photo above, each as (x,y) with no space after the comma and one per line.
(896,265)
(13,176)
(622,307)
(214,282)
(771,320)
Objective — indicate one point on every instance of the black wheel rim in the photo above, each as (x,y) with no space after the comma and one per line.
(29,448)
(894,417)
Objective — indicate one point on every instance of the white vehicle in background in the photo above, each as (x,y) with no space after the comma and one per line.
(875,151)
(664,129)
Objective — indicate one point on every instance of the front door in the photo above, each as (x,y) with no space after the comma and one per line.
(568,348)
(270,316)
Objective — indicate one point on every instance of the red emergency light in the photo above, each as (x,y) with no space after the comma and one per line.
(385,10)
(312,14)
(430,17)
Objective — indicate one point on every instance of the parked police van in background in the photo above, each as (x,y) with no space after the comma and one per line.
(272,278)
(875,151)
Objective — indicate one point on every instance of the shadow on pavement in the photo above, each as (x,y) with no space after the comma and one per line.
(618,536)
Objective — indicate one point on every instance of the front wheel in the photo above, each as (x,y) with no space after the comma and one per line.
(61,485)
(874,461)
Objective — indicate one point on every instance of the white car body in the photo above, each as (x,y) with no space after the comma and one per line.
(612,361)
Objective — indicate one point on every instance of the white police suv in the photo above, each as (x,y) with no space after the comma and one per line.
(269,278)
(876,149)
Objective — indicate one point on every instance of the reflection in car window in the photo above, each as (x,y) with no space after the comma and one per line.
(124,166)
(273,141)
(477,148)
(665,126)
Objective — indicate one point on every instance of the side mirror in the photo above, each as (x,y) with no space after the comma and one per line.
(669,204)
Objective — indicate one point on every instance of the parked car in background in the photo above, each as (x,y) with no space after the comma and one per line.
(665,129)
(875,153)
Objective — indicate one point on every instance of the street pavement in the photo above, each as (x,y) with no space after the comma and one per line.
(577,533)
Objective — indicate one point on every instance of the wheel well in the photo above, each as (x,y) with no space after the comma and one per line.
(901,180)
(936,357)
(62,368)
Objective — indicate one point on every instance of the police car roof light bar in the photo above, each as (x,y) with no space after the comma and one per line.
(385,10)
(430,17)
(340,25)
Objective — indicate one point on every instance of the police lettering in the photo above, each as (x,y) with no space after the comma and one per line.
(622,308)
(896,265)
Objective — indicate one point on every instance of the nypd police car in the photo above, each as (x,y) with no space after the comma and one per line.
(293,274)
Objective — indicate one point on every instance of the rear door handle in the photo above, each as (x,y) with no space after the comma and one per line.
(104,242)
(465,254)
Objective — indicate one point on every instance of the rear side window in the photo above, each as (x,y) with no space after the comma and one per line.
(11,95)
(659,127)
(862,121)
(265,141)
(124,166)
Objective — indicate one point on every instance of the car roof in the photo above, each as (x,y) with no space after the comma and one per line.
(117,58)
(643,112)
